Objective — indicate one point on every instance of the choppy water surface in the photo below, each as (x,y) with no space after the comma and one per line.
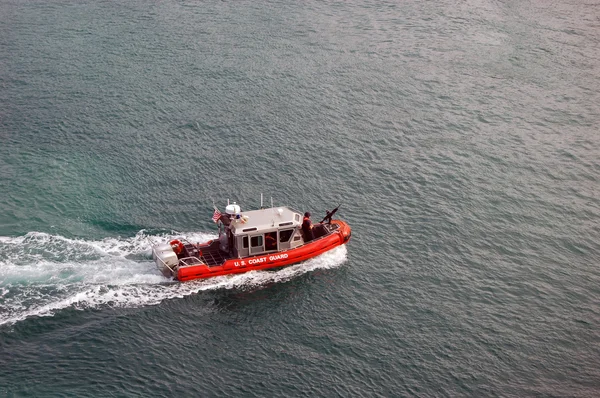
(460,137)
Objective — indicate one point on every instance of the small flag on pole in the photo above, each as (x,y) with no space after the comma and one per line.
(216,215)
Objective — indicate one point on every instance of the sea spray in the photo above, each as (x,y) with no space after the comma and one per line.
(41,274)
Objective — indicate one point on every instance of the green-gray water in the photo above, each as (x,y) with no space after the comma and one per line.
(461,138)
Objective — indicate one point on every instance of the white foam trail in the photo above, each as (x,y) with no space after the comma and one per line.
(41,274)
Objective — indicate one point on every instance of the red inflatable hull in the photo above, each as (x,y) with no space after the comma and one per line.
(272,260)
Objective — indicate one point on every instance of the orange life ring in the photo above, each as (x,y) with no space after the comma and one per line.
(177,246)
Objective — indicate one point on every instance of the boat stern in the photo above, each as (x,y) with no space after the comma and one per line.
(165,258)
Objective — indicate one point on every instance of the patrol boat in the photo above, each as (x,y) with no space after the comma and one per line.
(250,240)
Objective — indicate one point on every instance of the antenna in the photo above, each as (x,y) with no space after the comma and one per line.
(261,200)
(272,208)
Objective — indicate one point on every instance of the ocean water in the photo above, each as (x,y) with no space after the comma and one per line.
(460,137)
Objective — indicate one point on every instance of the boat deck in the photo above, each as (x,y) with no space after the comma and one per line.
(213,255)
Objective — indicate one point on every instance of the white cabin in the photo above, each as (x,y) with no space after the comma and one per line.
(255,232)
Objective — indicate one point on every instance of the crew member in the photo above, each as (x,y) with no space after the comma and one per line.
(271,241)
(307,227)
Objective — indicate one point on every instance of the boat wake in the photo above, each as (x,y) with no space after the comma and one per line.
(41,274)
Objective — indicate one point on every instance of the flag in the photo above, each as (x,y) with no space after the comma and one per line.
(216,215)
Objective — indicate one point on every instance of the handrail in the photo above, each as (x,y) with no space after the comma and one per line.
(197,259)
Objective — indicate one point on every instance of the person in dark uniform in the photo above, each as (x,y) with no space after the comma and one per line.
(307,228)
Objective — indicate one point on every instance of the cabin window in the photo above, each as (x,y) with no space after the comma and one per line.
(285,235)
(256,244)
(297,217)
(271,241)
(245,242)
(285,224)
(256,241)
(297,238)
